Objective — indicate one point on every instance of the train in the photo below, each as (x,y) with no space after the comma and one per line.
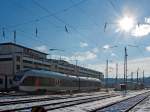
(42,80)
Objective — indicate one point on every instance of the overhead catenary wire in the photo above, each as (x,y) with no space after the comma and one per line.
(32,37)
(46,16)
(114,7)
(66,26)
(138,48)
(36,32)
(39,18)
(57,18)
(28,35)
(42,17)
(3,32)
(91,18)
(117,11)
(43,41)
(14,36)
(66,29)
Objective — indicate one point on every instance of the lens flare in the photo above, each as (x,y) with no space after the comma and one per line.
(126,23)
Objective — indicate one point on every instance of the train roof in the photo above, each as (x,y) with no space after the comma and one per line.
(46,73)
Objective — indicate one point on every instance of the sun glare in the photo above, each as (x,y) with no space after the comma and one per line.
(126,23)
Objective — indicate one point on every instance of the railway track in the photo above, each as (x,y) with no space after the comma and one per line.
(49,107)
(53,104)
(124,105)
(28,99)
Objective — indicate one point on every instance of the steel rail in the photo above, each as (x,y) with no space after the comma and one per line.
(62,104)
(75,102)
(27,100)
(124,103)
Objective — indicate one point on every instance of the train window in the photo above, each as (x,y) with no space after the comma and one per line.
(68,83)
(51,81)
(17,77)
(57,82)
(65,83)
(44,81)
(82,83)
(29,81)
(74,83)
(1,81)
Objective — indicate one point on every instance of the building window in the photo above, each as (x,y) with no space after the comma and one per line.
(10,81)
(5,59)
(27,67)
(1,81)
(26,61)
(18,67)
(18,58)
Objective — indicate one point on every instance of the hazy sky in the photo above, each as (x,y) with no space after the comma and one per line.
(77,26)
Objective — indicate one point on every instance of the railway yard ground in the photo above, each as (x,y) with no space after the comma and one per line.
(143,106)
(133,101)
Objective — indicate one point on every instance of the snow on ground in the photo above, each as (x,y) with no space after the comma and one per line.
(86,107)
(17,106)
(80,108)
(29,97)
(144,106)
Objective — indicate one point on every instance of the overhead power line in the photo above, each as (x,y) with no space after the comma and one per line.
(66,29)
(111,2)
(39,19)
(3,32)
(43,17)
(46,16)
(32,37)
(15,36)
(91,18)
(57,18)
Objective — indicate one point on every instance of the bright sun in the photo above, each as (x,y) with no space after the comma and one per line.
(126,23)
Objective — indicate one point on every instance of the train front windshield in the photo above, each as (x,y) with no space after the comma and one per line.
(17,77)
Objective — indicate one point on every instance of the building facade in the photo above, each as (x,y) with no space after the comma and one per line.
(15,58)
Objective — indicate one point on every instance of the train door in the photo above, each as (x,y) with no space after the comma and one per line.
(2,84)
(79,85)
(37,83)
(57,84)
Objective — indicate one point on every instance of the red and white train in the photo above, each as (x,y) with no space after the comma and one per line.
(41,80)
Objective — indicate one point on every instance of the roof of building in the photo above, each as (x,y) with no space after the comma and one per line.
(10,43)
